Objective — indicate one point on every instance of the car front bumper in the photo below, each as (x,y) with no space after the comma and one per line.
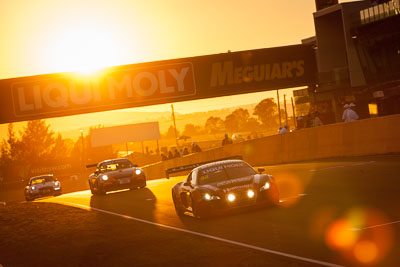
(43,192)
(122,183)
(242,201)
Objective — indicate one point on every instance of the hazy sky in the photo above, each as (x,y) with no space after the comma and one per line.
(48,36)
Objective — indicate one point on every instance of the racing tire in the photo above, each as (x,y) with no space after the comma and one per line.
(274,196)
(195,211)
(102,192)
(133,187)
(29,198)
(178,211)
(99,191)
(143,185)
(91,189)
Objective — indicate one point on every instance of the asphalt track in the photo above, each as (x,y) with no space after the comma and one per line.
(340,212)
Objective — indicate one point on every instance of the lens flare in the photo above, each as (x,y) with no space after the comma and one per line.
(363,235)
(339,235)
(290,187)
(365,251)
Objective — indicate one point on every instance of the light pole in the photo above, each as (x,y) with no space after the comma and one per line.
(279,108)
(83,149)
(176,134)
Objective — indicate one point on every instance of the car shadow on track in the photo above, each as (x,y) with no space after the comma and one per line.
(188,219)
(139,203)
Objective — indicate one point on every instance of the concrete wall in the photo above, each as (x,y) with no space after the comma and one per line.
(365,137)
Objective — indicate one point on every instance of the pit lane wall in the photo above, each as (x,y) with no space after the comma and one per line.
(365,137)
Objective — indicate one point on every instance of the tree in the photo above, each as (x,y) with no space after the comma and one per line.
(252,124)
(191,130)
(266,111)
(214,125)
(37,142)
(8,148)
(60,148)
(237,120)
(36,145)
(171,132)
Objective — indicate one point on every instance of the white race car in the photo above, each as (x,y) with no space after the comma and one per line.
(43,185)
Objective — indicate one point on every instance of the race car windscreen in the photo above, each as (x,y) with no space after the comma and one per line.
(238,170)
(224,172)
(115,165)
(42,179)
(37,181)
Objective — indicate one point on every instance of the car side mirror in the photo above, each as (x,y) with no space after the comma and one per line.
(261,170)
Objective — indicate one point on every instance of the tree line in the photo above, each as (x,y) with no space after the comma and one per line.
(37,143)
(265,117)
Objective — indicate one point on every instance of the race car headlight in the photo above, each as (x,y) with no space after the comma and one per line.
(265,186)
(104,177)
(33,187)
(231,197)
(138,171)
(207,196)
(57,184)
(250,193)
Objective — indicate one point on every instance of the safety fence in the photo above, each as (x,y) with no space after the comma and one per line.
(364,137)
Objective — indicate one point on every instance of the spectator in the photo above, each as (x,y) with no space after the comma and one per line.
(353,116)
(176,153)
(308,121)
(163,157)
(170,156)
(226,140)
(283,129)
(346,107)
(316,120)
(349,114)
(185,151)
(300,122)
(195,147)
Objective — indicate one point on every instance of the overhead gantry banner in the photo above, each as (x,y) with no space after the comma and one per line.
(143,84)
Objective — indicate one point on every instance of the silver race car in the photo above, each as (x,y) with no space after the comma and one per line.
(115,174)
(43,185)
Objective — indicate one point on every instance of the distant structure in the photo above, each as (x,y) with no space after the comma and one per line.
(357,45)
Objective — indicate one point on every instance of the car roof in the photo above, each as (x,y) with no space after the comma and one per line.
(114,160)
(217,163)
(42,176)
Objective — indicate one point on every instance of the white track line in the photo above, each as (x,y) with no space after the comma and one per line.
(342,166)
(374,226)
(327,168)
(205,235)
(286,198)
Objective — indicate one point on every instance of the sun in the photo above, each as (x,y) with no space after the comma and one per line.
(85,48)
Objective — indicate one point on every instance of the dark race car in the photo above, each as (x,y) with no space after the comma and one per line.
(222,186)
(115,174)
(41,186)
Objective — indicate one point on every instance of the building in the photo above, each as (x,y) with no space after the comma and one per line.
(357,48)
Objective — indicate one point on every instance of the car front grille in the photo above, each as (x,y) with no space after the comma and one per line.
(46,190)
(241,198)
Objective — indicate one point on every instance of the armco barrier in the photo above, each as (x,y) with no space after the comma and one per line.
(365,137)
